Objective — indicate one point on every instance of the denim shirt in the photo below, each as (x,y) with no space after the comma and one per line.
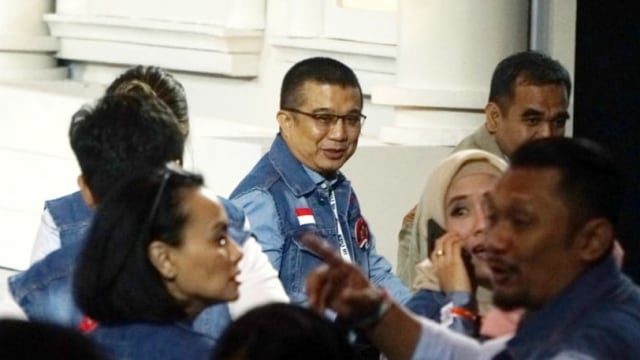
(595,317)
(146,341)
(431,304)
(44,291)
(274,192)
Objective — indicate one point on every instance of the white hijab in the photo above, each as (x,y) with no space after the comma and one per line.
(431,206)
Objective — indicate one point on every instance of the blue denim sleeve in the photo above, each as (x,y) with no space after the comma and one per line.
(436,306)
(380,274)
(260,209)
(460,324)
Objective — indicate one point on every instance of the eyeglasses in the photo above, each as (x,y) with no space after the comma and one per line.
(170,168)
(148,224)
(156,201)
(325,120)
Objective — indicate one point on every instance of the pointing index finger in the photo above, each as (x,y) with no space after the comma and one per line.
(318,245)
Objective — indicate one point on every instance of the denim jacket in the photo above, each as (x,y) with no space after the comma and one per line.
(44,291)
(142,341)
(595,317)
(283,201)
(434,305)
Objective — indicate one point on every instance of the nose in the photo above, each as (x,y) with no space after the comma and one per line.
(338,130)
(480,220)
(498,240)
(545,130)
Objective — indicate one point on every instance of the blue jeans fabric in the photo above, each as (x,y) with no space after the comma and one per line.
(270,194)
(595,317)
(145,341)
(44,291)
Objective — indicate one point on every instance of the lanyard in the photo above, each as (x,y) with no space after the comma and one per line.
(344,251)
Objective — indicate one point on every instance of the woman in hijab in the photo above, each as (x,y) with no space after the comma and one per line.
(443,254)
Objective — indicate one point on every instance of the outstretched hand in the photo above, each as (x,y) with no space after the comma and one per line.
(339,285)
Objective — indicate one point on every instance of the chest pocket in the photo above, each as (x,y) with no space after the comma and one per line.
(298,261)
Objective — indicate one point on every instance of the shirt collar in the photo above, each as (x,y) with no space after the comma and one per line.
(551,322)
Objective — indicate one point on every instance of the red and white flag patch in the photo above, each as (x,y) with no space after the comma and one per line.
(305,216)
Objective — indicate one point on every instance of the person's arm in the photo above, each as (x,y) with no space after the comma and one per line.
(47,238)
(260,209)
(460,312)
(259,282)
(342,287)
(380,274)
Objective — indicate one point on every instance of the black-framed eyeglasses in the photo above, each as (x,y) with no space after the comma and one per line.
(170,168)
(166,174)
(352,120)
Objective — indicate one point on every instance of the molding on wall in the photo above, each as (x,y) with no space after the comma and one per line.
(179,46)
(26,57)
(375,64)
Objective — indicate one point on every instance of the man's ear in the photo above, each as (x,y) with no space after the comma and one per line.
(594,239)
(159,254)
(285,121)
(87,196)
(493,116)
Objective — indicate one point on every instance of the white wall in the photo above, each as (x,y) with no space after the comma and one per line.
(231,114)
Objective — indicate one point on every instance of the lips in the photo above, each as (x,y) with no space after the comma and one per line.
(480,252)
(235,276)
(501,272)
(334,154)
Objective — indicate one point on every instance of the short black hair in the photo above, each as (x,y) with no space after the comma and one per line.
(282,331)
(21,339)
(121,134)
(323,70)
(155,82)
(591,180)
(115,281)
(533,68)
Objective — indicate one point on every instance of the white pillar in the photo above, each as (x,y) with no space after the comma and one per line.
(447,51)
(26,50)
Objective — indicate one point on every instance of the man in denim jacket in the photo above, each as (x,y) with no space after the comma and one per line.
(552,227)
(297,187)
(142,135)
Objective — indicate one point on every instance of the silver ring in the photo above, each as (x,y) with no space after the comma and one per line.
(439,252)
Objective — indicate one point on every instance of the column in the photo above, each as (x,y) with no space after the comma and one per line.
(26,49)
(446,52)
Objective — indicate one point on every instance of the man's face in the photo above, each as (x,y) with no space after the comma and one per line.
(322,147)
(536,111)
(531,253)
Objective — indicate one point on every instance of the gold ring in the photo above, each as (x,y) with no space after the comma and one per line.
(439,252)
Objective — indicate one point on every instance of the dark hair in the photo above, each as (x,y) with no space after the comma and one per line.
(591,182)
(155,82)
(115,281)
(121,134)
(34,340)
(319,69)
(282,331)
(532,68)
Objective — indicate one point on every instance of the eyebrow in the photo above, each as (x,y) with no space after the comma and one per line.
(324,109)
(457,198)
(220,226)
(563,115)
(531,112)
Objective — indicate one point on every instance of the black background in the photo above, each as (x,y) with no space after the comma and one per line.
(607,99)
